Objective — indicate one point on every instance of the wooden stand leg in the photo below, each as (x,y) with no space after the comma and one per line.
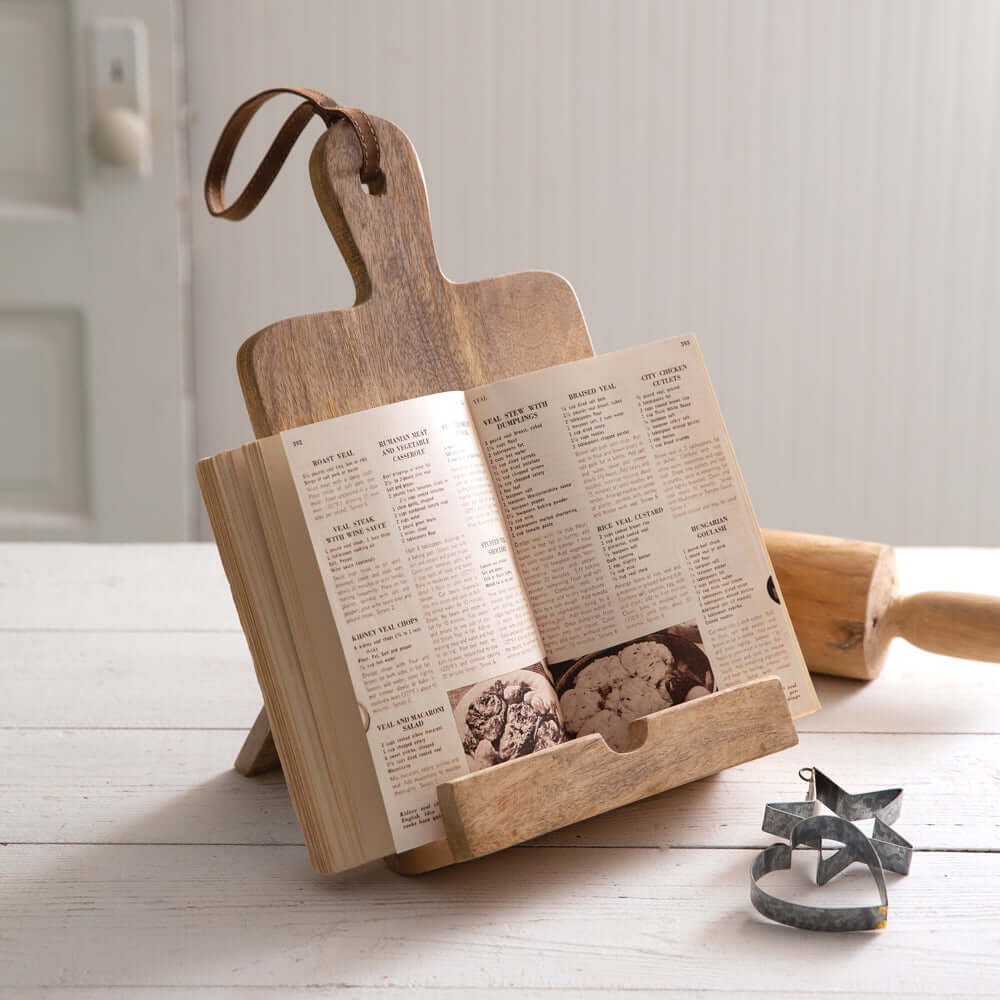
(258,754)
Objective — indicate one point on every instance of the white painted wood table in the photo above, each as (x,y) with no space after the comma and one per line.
(137,863)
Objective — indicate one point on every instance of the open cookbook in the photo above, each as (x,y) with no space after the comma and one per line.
(448,583)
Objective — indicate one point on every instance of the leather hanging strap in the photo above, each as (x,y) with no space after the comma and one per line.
(314,103)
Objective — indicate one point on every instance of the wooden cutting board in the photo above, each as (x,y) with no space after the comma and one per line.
(413,332)
(410,332)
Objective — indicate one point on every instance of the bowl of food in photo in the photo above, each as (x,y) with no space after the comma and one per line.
(603,692)
(508,717)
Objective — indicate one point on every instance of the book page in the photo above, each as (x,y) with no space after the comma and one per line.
(440,643)
(634,536)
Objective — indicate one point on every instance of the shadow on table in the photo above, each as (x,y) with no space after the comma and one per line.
(917,692)
(789,948)
(172,899)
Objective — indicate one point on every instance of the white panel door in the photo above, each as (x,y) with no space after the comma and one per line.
(810,187)
(93,407)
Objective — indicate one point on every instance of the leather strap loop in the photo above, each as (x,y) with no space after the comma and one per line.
(314,103)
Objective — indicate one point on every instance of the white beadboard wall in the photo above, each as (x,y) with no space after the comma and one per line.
(809,186)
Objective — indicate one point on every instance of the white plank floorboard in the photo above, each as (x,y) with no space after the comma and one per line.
(137,680)
(177,787)
(137,863)
(527,918)
(916,693)
(138,787)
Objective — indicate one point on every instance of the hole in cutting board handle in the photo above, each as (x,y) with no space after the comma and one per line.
(376,186)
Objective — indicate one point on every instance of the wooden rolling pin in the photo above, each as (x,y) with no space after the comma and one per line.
(846,608)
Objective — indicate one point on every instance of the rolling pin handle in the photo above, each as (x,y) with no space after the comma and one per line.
(951,624)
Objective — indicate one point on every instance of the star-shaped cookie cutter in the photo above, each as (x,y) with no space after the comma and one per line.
(884,806)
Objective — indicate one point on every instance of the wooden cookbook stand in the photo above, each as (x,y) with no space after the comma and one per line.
(413,332)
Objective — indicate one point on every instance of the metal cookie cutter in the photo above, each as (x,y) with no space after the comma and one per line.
(857,847)
(802,824)
(884,806)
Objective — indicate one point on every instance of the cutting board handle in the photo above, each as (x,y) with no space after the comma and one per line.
(383,228)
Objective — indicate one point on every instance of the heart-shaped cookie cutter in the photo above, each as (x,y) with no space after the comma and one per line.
(857,847)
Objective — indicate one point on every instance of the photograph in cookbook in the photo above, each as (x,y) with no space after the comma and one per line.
(507,717)
(604,691)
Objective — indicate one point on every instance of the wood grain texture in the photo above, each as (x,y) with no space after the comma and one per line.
(844,601)
(837,592)
(488,810)
(411,331)
(966,625)
(258,755)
